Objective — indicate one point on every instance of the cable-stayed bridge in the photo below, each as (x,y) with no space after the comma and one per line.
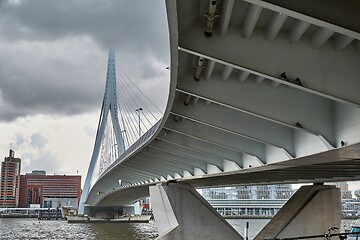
(260,92)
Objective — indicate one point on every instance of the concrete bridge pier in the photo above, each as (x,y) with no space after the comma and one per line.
(312,210)
(112,212)
(182,213)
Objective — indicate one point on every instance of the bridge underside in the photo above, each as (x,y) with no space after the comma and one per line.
(315,169)
(261,92)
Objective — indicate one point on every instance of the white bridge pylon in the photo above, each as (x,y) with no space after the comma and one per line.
(114,144)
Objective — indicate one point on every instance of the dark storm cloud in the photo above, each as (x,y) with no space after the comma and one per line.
(42,69)
(32,83)
(134,25)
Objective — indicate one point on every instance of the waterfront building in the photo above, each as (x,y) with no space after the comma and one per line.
(283,191)
(50,191)
(266,200)
(10,181)
(248,201)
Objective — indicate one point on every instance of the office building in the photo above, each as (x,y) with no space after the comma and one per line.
(51,191)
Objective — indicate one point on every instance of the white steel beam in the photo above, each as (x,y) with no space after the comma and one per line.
(342,41)
(195,100)
(198,145)
(257,62)
(275,84)
(320,37)
(164,153)
(136,173)
(277,21)
(313,112)
(215,136)
(226,72)
(240,123)
(166,166)
(230,166)
(148,166)
(297,31)
(209,69)
(243,75)
(184,166)
(259,79)
(305,18)
(131,177)
(252,17)
(188,152)
(227,7)
(146,170)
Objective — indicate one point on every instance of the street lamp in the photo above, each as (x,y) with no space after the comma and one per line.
(139,114)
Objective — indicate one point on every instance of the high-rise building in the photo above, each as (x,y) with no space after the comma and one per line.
(10,181)
(49,190)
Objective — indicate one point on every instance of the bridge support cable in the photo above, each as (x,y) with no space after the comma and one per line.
(155,108)
(109,106)
(128,114)
(139,113)
(141,99)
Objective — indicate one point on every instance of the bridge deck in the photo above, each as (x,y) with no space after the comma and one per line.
(270,97)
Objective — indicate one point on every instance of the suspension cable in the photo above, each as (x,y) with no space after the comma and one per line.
(128,78)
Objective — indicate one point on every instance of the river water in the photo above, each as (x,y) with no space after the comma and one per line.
(11,229)
(20,228)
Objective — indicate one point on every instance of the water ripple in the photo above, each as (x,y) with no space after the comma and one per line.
(32,229)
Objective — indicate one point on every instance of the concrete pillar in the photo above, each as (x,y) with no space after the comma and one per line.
(310,211)
(181,213)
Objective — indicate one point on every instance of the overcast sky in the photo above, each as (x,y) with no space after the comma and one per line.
(53,58)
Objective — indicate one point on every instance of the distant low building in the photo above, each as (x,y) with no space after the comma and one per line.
(248,201)
(50,191)
(266,200)
(10,182)
(284,191)
(37,172)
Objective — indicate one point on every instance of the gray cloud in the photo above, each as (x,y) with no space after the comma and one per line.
(38,140)
(44,161)
(53,53)
(91,132)
(135,25)
(20,139)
